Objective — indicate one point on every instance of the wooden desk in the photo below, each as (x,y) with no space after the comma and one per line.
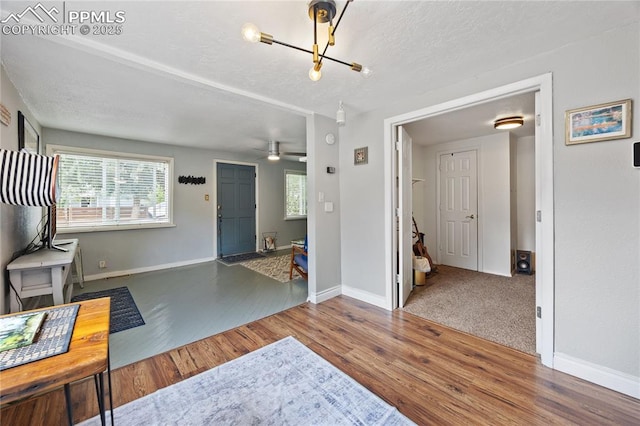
(88,355)
(44,272)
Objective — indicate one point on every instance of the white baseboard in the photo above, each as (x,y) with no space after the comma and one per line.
(603,376)
(113,274)
(278,248)
(324,295)
(365,296)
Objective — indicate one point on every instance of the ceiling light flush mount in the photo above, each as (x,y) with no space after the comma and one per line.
(320,12)
(508,123)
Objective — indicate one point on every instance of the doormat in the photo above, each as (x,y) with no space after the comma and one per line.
(124,312)
(237,258)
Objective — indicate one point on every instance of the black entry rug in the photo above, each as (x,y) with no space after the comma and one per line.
(237,258)
(124,312)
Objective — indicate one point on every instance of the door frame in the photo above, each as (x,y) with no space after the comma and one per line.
(545,269)
(214,191)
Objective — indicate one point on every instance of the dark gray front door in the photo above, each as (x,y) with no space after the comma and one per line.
(236,209)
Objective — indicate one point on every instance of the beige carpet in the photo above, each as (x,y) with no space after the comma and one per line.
(276,267)
(496,308)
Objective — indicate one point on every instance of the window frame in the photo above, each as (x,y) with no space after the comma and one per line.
(294,172)
(72,150)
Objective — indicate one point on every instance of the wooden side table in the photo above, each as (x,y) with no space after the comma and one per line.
(88,355)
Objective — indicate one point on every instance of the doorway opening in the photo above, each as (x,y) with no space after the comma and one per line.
(543,199)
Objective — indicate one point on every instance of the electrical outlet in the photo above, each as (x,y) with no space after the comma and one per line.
(102,264)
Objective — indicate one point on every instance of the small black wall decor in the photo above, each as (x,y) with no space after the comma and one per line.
(192,180)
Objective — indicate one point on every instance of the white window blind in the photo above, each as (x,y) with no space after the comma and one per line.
(101,190)
(295,189)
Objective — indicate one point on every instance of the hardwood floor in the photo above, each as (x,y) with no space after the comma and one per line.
(432,374)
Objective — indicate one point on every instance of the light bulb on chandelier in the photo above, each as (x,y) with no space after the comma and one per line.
(250,33)
(314,73)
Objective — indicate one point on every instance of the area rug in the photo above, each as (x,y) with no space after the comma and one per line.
(496,308)
(124,312)
(237,258)
(276,267)
(284,383)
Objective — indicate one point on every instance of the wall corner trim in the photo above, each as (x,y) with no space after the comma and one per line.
(147,269)
(603,376)
(365,296)
(325,295)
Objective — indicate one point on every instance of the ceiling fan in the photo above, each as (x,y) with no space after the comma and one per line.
(274,154)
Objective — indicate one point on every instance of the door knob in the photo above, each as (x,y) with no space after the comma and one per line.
(469,217)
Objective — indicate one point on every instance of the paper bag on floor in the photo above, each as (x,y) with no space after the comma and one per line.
(421,264)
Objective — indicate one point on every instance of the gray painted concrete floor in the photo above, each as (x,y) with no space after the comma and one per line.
(182,305)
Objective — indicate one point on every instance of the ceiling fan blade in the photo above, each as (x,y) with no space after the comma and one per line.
(297,154)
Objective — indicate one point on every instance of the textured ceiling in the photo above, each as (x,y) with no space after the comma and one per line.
(180,72)
(475,121)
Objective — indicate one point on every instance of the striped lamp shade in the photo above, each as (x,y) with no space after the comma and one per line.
(27,179)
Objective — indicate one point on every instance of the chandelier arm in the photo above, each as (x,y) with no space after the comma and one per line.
(341,14)
(316,60)
(311,52)
(315,24)
(334,29)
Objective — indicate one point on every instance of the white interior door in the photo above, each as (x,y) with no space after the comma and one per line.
(405,240)
(458,243)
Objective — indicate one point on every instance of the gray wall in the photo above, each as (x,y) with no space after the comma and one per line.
(271,203)
(18,224)
(526,195)
(324,227)
(596,192)
(192,239)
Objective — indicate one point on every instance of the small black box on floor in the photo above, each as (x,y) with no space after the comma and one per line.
(524,262)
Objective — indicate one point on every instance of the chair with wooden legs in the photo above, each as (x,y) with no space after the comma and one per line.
(299,260)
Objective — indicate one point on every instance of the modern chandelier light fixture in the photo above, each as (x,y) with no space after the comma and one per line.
(320,12)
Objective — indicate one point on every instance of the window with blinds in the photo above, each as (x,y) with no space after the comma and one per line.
(295,190)
(103,190)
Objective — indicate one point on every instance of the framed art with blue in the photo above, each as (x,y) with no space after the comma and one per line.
(596,123)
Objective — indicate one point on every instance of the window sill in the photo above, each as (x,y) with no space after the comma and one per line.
(295,218)
(127,227)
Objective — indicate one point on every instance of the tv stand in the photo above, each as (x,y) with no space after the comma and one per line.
(57,245)
(26,274)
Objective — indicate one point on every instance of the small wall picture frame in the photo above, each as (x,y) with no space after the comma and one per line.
(28,137)
(361,156)
(5,115)
(597,123)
